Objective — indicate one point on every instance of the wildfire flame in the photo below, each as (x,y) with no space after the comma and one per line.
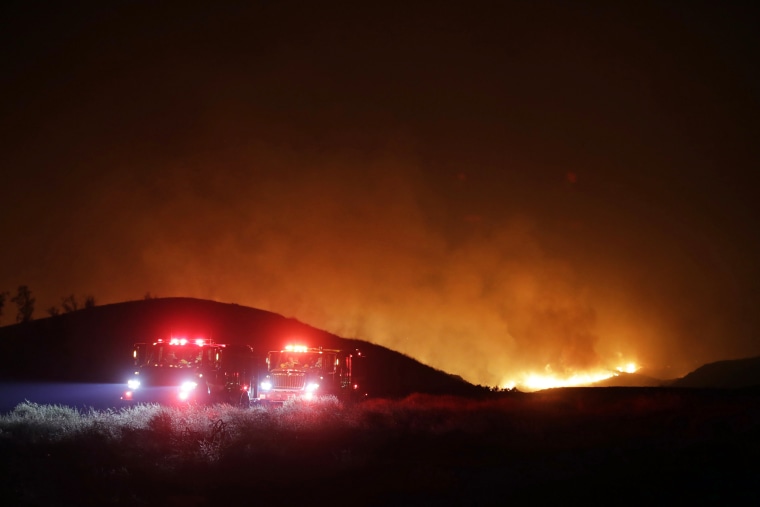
(532,381)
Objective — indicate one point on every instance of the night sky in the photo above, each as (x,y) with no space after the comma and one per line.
(489,187)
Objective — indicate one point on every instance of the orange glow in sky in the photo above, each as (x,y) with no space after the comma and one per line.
(488,194)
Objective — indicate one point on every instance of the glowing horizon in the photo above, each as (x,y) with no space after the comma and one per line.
(532,381)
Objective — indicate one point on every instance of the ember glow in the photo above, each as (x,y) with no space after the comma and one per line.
(628,368)
(548,379)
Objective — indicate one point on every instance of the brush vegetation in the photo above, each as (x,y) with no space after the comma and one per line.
(418,450)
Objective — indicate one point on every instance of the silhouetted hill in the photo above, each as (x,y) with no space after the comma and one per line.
(735,373)
(95,344)
(630,380)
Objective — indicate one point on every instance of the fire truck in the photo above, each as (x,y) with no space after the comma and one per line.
(301,372)
(181,370)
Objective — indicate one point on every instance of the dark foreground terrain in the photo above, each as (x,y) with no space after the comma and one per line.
(601,445)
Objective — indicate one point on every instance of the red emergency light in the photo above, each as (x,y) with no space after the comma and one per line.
(184,341)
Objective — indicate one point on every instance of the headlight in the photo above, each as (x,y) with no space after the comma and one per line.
(188,386)
(266,385)
(311,387)
(133,383)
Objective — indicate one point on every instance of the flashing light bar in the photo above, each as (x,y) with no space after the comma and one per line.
(184,341)
(296,348)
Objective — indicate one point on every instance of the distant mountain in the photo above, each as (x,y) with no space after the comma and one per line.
(735,373)
(95,344)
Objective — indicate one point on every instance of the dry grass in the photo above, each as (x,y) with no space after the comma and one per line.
(419,450)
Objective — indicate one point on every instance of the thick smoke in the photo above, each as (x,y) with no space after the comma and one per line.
(378,245)
(360,246)
(237,155)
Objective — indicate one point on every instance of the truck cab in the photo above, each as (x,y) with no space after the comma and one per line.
(183,370)
(301,372)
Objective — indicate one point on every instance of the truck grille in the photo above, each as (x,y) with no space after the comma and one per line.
(288,381)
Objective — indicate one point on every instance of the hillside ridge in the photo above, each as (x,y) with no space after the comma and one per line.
(95,344)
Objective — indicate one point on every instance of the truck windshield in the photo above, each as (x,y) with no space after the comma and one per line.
(296,360)
(177,356)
